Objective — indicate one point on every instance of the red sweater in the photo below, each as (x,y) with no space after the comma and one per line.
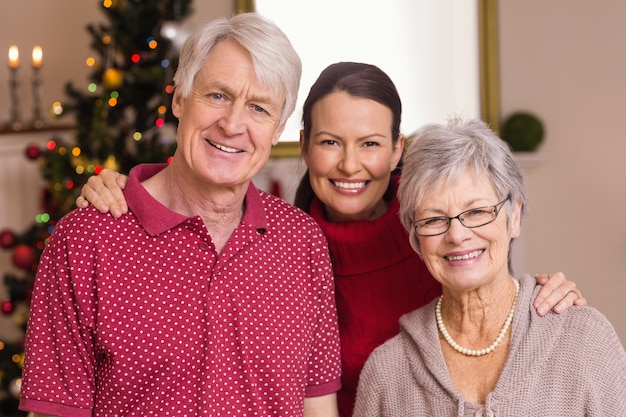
(378,278)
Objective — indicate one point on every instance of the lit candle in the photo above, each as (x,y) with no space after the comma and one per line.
(37,56)
(14,57)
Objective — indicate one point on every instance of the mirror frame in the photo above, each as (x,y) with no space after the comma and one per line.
(489,62)
(489,72)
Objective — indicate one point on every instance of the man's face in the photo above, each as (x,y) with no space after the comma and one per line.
(229,122)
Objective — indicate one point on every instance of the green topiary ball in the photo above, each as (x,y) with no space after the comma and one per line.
(523,131)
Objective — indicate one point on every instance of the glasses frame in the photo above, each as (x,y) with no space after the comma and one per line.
(496,207)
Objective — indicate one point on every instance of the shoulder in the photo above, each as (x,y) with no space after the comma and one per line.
(83,220)
(583,318)
(579,327)
(585,344)
(587,321)
(78,235)
(87,226)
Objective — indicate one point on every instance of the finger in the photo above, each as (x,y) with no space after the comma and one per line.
(105,193)
(121,181)
(572,298)
(557,293)
(542,278)
(81,202)
(554,281)
(110,189)
(541,305)
(580,300)
(91,194)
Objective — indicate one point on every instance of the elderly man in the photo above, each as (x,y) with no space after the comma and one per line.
(209,297)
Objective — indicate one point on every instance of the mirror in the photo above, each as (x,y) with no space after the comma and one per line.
(441,55)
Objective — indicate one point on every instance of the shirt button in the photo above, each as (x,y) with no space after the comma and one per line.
(204,246)
(480,413)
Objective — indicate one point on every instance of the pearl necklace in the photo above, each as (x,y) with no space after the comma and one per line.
(478,352)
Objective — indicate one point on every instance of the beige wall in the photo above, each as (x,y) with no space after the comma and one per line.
(564,61)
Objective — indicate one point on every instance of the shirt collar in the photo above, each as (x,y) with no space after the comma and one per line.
(155,218)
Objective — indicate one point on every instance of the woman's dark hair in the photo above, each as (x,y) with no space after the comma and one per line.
(358,80)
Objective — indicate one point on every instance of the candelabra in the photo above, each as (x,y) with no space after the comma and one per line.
(37,121)
(15,121)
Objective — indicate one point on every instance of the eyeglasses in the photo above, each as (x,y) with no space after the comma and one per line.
(476,217)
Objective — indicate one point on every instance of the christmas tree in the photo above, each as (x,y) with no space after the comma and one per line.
(122,118)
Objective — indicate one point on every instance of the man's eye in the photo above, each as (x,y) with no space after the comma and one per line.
(258,109)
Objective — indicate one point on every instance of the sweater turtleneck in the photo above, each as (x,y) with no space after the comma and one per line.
(365,245)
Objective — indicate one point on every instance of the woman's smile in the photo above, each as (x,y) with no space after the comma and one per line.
(466,256)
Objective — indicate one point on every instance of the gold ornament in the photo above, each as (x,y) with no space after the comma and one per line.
(113,78)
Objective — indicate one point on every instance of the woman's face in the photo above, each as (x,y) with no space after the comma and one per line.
(350,156)
(464,259)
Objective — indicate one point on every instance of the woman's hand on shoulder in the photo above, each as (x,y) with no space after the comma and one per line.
(557,294)
(104,192)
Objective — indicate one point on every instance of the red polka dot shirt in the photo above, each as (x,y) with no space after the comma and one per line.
(141,317)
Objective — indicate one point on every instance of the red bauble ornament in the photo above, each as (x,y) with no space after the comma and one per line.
(24,257)
(32,152)
(7,306)
(7,239)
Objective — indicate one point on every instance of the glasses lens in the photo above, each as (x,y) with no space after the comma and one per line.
(431,226)
(478,217)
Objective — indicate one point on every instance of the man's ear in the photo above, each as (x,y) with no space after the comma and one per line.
(177,104)
(279,132)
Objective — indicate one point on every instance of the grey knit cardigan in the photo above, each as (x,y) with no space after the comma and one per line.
(569,364)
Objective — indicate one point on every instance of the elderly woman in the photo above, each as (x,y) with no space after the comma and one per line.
(481,348)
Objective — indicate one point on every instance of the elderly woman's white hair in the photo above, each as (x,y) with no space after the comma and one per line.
(439,154)
(276,63)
